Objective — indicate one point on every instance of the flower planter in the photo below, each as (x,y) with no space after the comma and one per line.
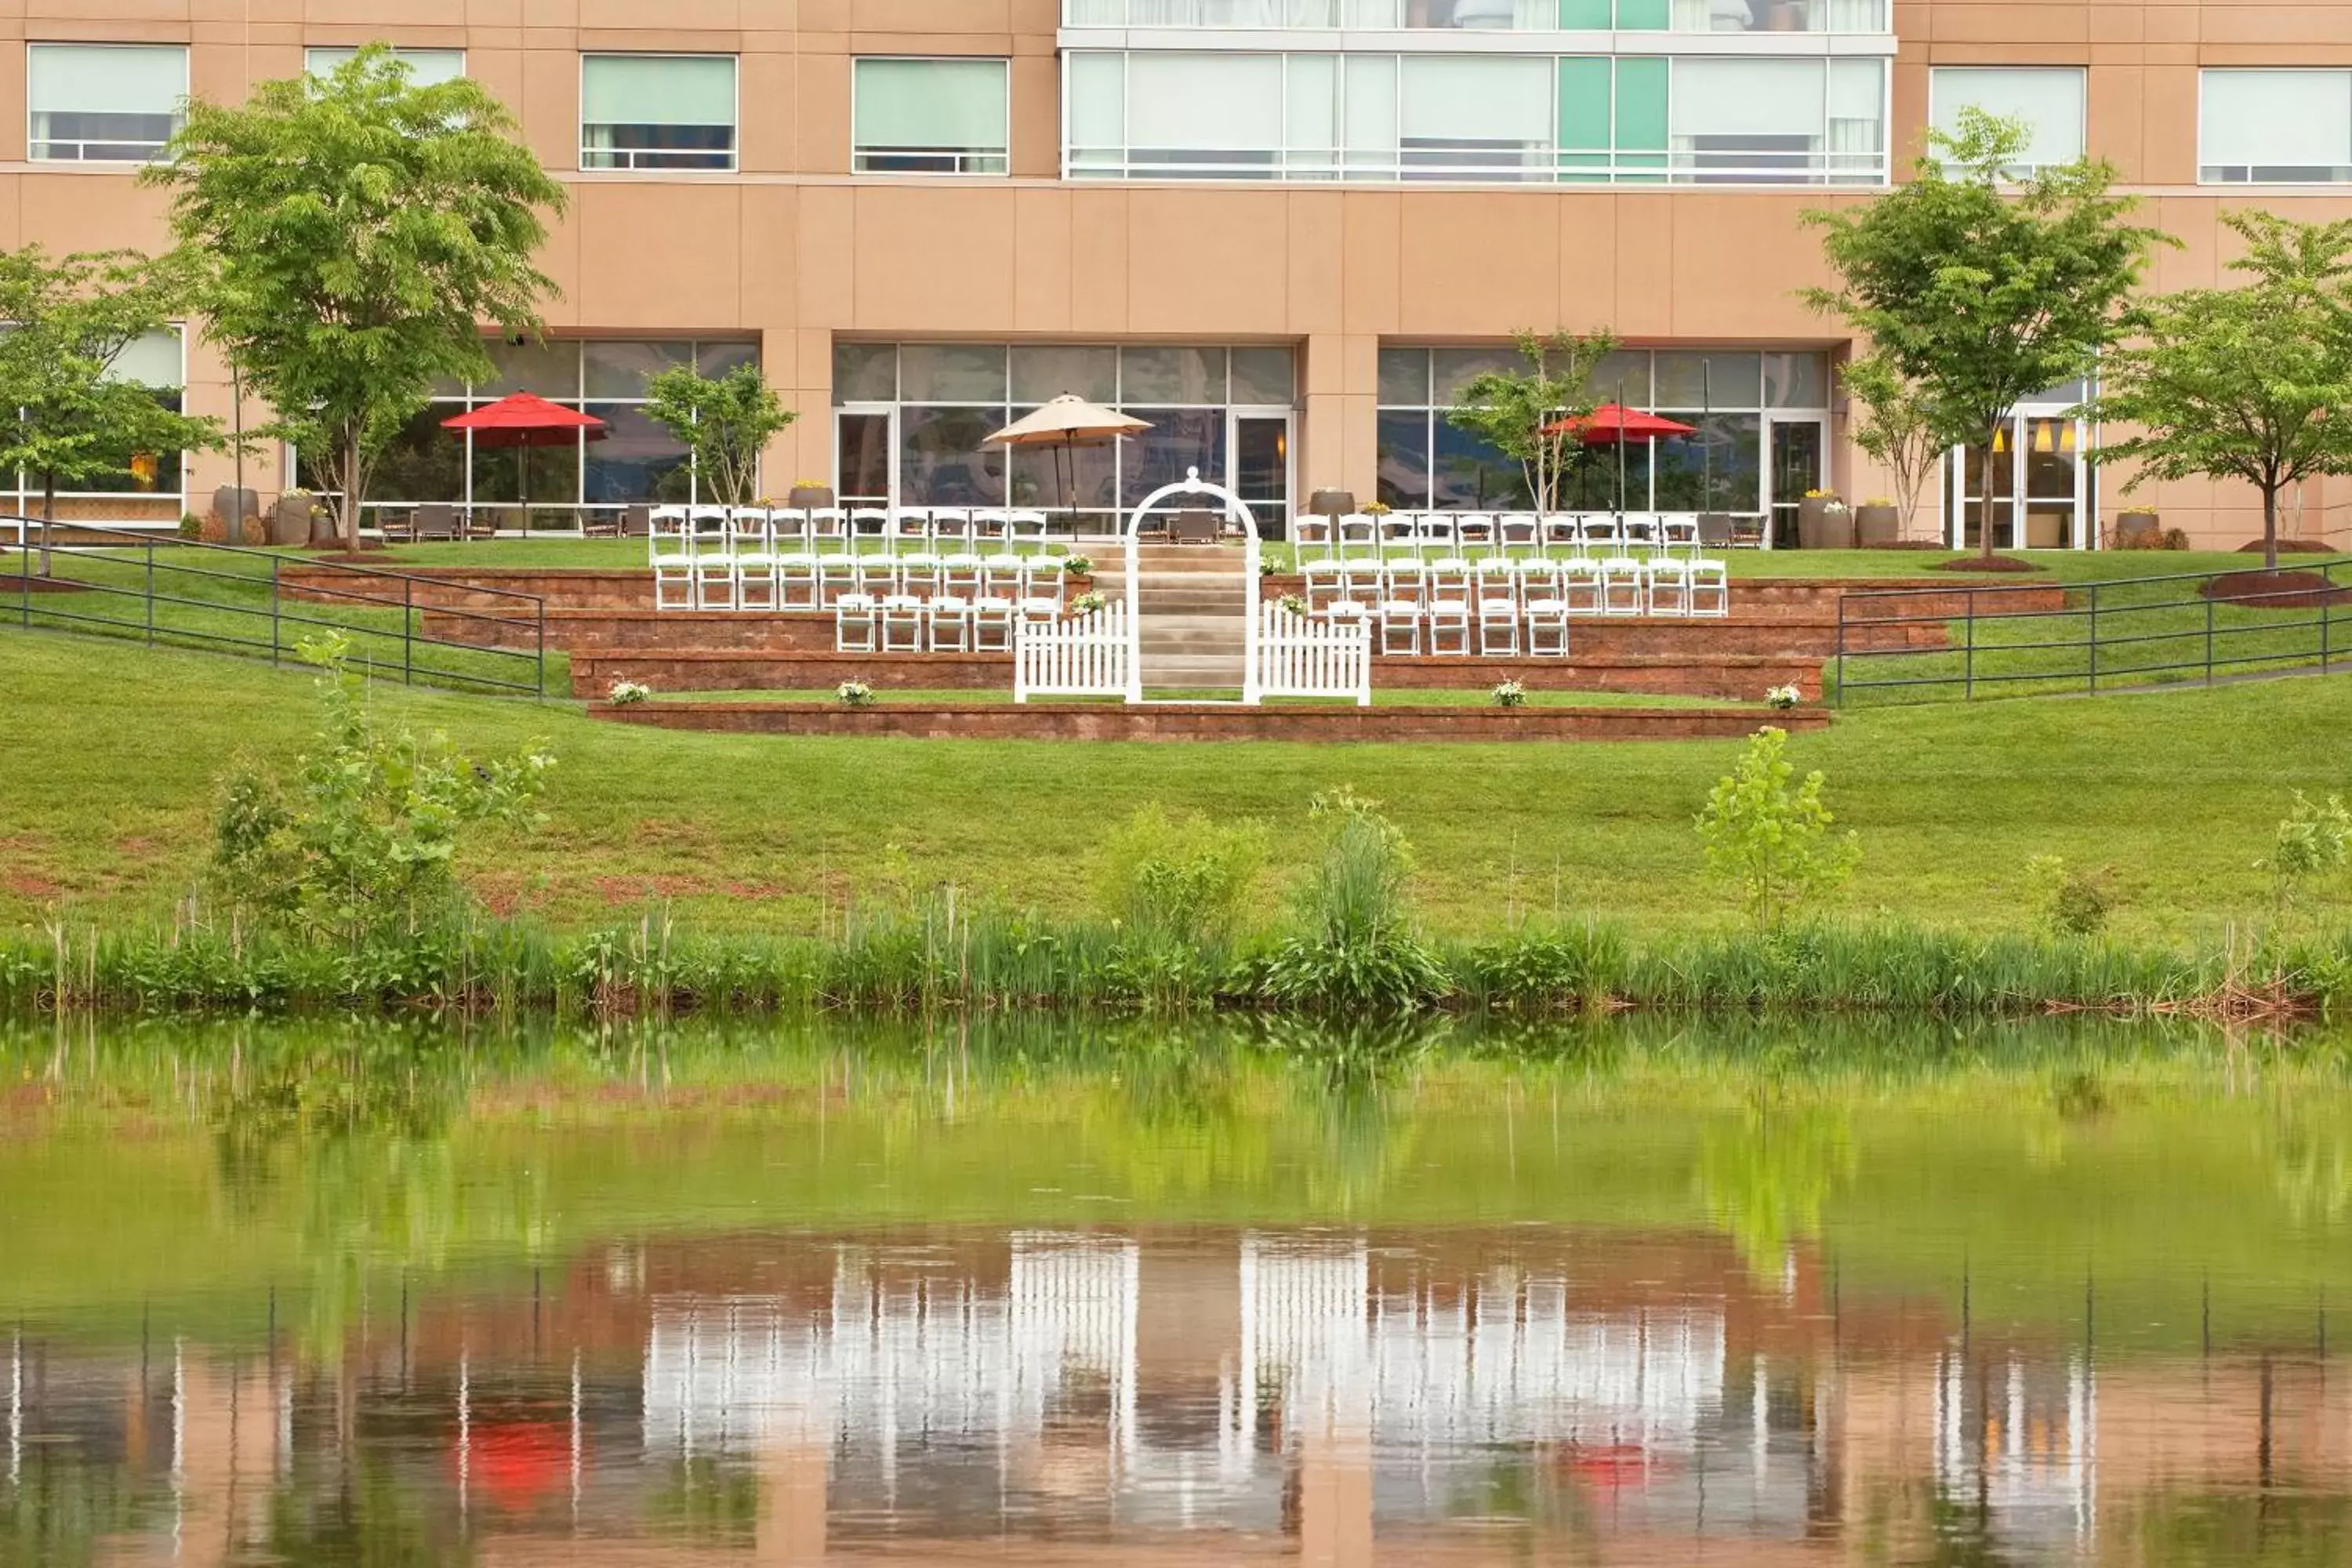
(808,497)
(2138,530)
(1877,527)
(1819,527)
(290,520)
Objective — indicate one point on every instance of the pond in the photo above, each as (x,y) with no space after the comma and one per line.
(1642,1291)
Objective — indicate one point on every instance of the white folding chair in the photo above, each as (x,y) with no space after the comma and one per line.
(1042,582)
(1396,535)
(1666,582)
(1311,538)
(1025,530)
(1326,584)
(1560,533)
(1543,605)
(962,574)
(1359,537)
(951,529)
(1639,530)
(1359,588)
(853,624)
(1434,538)
(1474,535)
(1710,588)
(1517,534)
(1498,608)
(1404,585)
(991,530)
(751,540)
(950,618)
(867,532)
(1580,585)
(992,623)
(1678,530)
(1621,587)
(1597,532)
(919,574)
(1450,591)
(712,542)
(828,528)
(669,551)
(902,623)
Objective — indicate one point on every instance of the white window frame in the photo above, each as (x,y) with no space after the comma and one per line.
(1004,65)
(399,51)
(735,110)
(2082,124)
(2202,72)
(179,114)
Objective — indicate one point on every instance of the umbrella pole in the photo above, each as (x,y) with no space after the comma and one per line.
(1706,438)
(1620,447)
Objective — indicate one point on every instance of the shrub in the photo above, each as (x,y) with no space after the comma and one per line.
(362,844)
(1185,879)
(1771,840)
(2069,900)
(1357,949)
(2311,842)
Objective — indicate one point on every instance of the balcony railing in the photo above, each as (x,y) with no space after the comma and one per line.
(1489,15)
(1681,166)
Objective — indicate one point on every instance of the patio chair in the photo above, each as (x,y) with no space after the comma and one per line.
(396,524)
(436,521)
(1196,526)
(635,521)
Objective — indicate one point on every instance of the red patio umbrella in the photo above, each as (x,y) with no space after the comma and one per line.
(524,420)
(1613,425)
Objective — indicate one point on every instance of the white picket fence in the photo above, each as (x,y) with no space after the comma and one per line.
(1089,655)
(1301,657)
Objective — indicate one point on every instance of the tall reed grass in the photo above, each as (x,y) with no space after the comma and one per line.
(939,954)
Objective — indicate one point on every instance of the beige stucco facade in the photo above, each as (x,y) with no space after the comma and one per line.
(796,251)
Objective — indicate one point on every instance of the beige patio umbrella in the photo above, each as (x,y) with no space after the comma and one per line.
(1065,424)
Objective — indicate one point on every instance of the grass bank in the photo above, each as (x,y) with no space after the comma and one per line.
(110,754)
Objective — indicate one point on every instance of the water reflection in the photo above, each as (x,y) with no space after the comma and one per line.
(1455,1314)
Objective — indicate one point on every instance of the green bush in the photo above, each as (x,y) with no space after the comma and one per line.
(1186,879)
(2313,841)
(2069,900)
(361,844)
(1355,948)
(1770,839)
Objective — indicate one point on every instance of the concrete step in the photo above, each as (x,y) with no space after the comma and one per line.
(1210,670)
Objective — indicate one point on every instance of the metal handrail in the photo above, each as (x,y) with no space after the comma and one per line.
(384,590)
(2108,626)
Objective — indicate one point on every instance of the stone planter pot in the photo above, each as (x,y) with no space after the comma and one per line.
(1877,527)
(1818,528)
(809,498)
(1331,503)
(2138,530)
(290,520)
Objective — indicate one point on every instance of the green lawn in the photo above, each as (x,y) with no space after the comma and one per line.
(111,752)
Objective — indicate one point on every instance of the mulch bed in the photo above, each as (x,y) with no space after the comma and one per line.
(2290,547)
(14,587)
(1978,564)
(2276,591)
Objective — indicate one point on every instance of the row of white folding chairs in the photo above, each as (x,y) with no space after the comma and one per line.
(1432,534)
(1616,585)
(934,623)
(704,530)
(800,581)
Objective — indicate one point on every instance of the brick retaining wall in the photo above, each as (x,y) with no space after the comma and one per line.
(1210,721)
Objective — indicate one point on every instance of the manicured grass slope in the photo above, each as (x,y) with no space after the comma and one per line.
(110,752)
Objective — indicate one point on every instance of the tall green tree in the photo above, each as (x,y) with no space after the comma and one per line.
(70,417)
(2251,382)
(1980,290)
(725,421)
(360,231)
(1893,428)
(1514,411)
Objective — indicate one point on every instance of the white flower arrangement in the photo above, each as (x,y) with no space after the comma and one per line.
(1509,694)
(1784,696)
(1293,603)
(1087,604)
(629,693)
(855,694)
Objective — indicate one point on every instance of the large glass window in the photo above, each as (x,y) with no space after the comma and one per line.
(931,117)
(1476,118)
(658,111)
(2276,127)
(1725,394)
(104,102)
(946,399)
(637,461)
(425,67)
(2049,99)
(1489,15)
(153,362)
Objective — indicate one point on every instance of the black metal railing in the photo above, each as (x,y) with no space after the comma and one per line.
(2012,638)
(165,590)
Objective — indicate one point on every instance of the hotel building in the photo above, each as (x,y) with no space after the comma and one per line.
(1285,232)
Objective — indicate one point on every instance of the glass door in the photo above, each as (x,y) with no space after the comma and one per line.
(1967,483)
(2041,485)
(1795,467)
(865,446)
(1260,445)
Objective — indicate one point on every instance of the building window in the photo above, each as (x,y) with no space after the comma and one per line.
(658,111)
(146,486)
(104,102)
(931,117)
(427,67)
(1476,118)
(1425,463)
(637,461)
(1489,15)
(911,421)
(2049,99)
(2274,127)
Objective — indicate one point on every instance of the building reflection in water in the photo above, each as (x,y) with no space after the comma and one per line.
(1196,1394)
